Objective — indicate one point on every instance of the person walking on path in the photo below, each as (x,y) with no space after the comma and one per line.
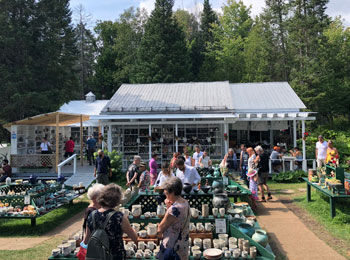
(153,166)
(263,172)
(69,148)
(321,151)
(103,168)
(133,172)
(91,149)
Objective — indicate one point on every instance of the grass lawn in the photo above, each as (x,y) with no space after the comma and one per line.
(319,208)
(45,223)
(40,252)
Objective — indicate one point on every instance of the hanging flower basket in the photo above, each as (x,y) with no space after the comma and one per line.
(225,136)
(305,135)
(149,138)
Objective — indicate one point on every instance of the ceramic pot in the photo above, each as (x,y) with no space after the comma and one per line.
(217,184)
(260,237)
(246,229)
(221,201)
(187,188)
(151,230)
(32,179)
(136,210)
(205,210)
(161,211)
(8,181)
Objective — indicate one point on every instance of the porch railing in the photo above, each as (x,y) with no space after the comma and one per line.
(60,165)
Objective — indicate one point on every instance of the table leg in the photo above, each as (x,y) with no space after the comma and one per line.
(33,222)
(308,192)
(332,206)
(235,199)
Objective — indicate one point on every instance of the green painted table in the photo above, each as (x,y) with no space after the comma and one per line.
(332,196)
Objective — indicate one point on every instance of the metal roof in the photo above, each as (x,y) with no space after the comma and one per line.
(204,97)
(83,107)
(265,97)
(171,97)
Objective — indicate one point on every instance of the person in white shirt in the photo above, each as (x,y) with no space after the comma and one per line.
(187,174)
(205,161)
(45,146)
(321,151)
(197,155)
(165,174)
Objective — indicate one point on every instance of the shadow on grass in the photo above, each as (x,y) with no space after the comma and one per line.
(44,224)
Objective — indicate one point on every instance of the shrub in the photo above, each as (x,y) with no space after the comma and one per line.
(290,176)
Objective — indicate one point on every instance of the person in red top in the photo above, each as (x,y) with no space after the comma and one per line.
(69,147)
(5,171)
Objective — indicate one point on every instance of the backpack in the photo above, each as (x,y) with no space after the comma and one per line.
(98,245)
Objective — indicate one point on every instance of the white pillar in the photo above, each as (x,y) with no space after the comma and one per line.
(295,133)
(150,142)
(103,132)
(304,148)
(226,132)
(109,138)
(176,141)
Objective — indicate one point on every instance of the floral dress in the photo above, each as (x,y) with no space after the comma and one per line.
(114,231)
(177,235)
(253,186)
(145,178)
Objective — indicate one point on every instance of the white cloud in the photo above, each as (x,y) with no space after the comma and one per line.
(148,5)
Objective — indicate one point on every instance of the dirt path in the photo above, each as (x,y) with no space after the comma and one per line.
(64,230)
(290,236)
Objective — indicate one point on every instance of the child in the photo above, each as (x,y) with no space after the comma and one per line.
(253,186)
(145,178)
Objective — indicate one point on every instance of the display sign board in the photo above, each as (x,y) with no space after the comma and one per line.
(220,225)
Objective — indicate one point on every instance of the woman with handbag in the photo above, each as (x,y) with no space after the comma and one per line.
(174,228)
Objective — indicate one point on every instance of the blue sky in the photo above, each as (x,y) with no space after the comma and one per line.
(111,9)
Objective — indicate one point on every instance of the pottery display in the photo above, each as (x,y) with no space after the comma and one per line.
(205,210)
(205,189)
(246,229)
(151,230)
(195,213)
(221,201)
(217,184)
(260,237)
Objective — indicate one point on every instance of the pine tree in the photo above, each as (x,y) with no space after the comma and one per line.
(163,56)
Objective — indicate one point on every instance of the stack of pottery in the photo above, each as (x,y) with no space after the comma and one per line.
(221,200)
(260,236)
(161,210)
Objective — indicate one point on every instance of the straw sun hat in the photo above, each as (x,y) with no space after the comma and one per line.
(251,172)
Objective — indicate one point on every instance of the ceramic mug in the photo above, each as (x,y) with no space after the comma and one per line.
(206,243)
(215,212)
(195,248)
(209,227)
(200,227)
(139,254)
(126,212)
(216,243)
(197,242)
(151,245)
(130,253)
(222,212)
(153,214)
(224,237)
(151,230)
(142,233)
(227,254)
(141,246)
(147,254)
(195,212)
(131,245)
(192,227)
(197,254)
(147,214)
(136,226)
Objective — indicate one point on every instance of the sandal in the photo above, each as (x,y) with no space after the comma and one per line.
(262,199)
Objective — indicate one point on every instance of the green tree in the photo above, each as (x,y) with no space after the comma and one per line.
(118,43)
(37,58)
(229,36)
(86,45)
(162,56)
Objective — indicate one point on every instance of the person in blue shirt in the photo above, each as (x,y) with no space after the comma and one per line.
(91,149)
(103,168)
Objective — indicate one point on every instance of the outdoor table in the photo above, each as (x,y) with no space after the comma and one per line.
(291,160)
(332,197)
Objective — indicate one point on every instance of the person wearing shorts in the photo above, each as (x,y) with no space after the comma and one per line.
(263,173)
